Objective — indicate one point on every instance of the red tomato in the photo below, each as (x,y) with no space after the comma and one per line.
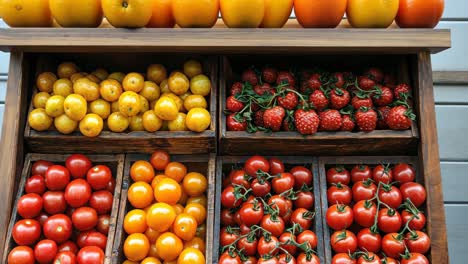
(95,239)
(388,260)
(45,251)
(302,176)
(343,242)
(419,13)
(343,258)
(364,190)
(90,255)
(418,242)
(389,220)
(360,173)
(364,213)
(111,185)
(40,167)
(244,229)
(249,246)
(159,159)
(30,205)
(308,236)
(415,192)
(58,228)
(103,224)
(78,165)
(84,218)
(227,217)
(393,245)
(285,240)
(260,189)
(226,258)
(382,174)
(303,218)
(227,236)
(276,166)
(307,259)
(391,196)
(416,223)
(26,232)
(99,177)
(239,177)
(81,238)
(249,260)
(251,213)
(283,183)
(368,258)
(101,201)
(41,218)
(273,224)
(282,204)
(339,193)
(228,198)
(339,216)
(267,260)
(403,173)
(286,259)
(54,202)
(65,258)
(415,258)
(77,193)
(304,200)
(57,178)
(256,163)
(21,255)
(267,246)
(369,241)
(68,246)
(338,175)
(35,184)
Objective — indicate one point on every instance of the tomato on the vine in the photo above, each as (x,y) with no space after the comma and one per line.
(285,240)
(227,236)
(369,241)
(249,245)
(273,224)
(268,260)
(251,213)
(339,216)
(403,173)
(418,242)
(415,192)
(227,258)
(305,199)
(229,199)
(307,259)
(308,236)
(393,245)
(391,196)
(364,213)
(338,174)
(283,182)
(382,173)
(286,259)
(414,258)
(227,217)
(417,222)
(339,193)
(276,166)
(389,220)
(368,258)
(343,258)
(303,218)
(267,246)
(343,242)
(302,176)
(282,204)
(260,189)
(364,190)
(256,163)
(360,173)
(239,177)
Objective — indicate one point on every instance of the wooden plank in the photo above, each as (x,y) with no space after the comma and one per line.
(429,162)
(454,181)
(452,125)
(451,77)
(455,58)
(455,10)
(287,40)
(457,228)
(451,94)
(3,82)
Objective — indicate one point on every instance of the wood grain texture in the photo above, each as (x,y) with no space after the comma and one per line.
(114,162)
(451,77)
(429,161)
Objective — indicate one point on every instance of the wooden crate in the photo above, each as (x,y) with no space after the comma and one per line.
(322,143)
(225,163)
(204,164)
(176,142)
(348,162)
(115,163)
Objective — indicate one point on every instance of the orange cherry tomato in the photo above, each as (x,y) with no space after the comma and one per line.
(150,260)
(319,13)
(178,208)
(168,191)
(176,171)
(136,247)
(140,195)
(153,252)
(199,200)
(185,226)
(197,243)
(160,159)
(142,171)
(135,221)
(169,246)
(200,13)
(195,184)
(197,211)
(151,234)
(160,216)
(157,179)
(183,198)
(191,256)
(419,13)
(162,15)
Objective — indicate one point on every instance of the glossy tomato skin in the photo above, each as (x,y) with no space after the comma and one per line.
(319,13)
(227,217)
(283,183)
(95,239)
(339,217)
(228,259)
(282,204)
(276,166)
(419,13)
(228,198)
(26,232)
(255,163)
(368,258)
(284,238)
(417,223)
(371,14)
(99,177)
(111,185)
(389,221)
(236,14)
(342,258)
(78,165)
(364,213)
(338,175)
(343,242)
(304,200)
(403,173)
(54,202)
(304,259)
(302,176)
(267,246)
(35,184)
(40,167)
(303,218)
(30,205)
(393,245)
(226,237)
(57,178)
(41,218)
(103,224)
(239,177)
(45,251)
(339,193)
(369,241)
(360,173)
(418,242)
(101,201)
(65,257)
(415,192)
(68,246)
(21,254)
(382,174)
(251,213)
(260,189)
(275,225)
(364,191)
(308,236)
(84,218)
(58,228)
(391,196)
(90,255)
(77,193)
(415,258)
(286,259)
(268,261)
(250,247)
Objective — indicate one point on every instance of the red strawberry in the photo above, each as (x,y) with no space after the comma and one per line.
(361,101)
(330,120)
(383,96)
(269,75)
(375,74)
(263,89)
(366,83)
(339,98)
(366,119)
(273,118)
(319,100)
(288,101)
(347,124)
(286,77)
(258,118)
(236,88)
(383,112)
(307,122)
(339,80)
(314,83)
(234,105)
(250,76)
(402,89)
(234,125)
(400,118)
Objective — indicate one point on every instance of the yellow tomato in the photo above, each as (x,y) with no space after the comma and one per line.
(118,122)
(144,104)
(100,108)
(115,107)
(151,122)
(191,256)
(200,13)
(118,76)
(83,13)
(135,221)
(199,200)
(156,73)
(101,73)
(67,69)
(136,123)
(169,246)
(178,208)
(179,102)
(63,87)
(152,235)
(192,68)
(136,247)
(150,260)
(65,125)
(45,82)
(197,243)
(39,120)
(178,124)
(110,90)
(140,195)
(86,88)
(178,83)
(91,125)
(200,85)
(162,15)
(133,82)
(26,13)
(129,103)
(151,91)
(196,210)
(242,13)
(128,13)
(166,108)
(167,191)
(160,217)
(185,226)
(40,99)
(371,13)
(76,76)
(75,106)
(198,119)
(194,101)
(164,87)
(54,106)
(195,184)
(277,13)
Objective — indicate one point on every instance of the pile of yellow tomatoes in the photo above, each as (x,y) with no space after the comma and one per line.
(167,223)
(72,100)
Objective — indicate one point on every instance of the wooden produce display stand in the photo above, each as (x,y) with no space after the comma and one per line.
(221,49)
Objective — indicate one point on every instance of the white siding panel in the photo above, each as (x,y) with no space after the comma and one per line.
(451,94)
(4,62)
(2,110)
(456,58)
(456,9)
(452,124)
(457,232)
(455,181)
(3,80)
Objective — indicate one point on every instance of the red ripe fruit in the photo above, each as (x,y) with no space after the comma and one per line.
(250,76)
(383,96)
(402,89)
(330,120)
(288,125)
(236,88)
(286,77)
(339,80)
(383,112)
(400,118)
(366,83)
(258,118)
(347,123)
(234,125)
(234,105)
(319,100)
(307,122)
(288,101)
(314,83)
(366,119)
(339,98)
(375,74)
(264,88)
(273,118)
(359,102)
(269,75)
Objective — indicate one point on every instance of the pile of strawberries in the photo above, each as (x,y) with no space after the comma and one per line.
(311,101)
